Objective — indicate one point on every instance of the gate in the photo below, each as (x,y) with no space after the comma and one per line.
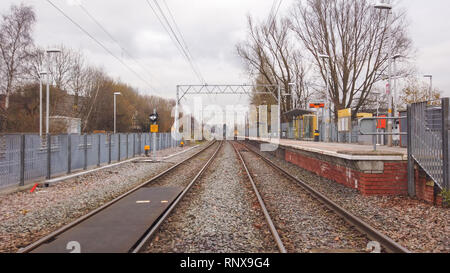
(428,142)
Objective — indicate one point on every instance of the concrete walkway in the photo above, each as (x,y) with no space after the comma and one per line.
(345,150)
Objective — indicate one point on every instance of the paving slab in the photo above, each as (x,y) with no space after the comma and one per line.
(117,228)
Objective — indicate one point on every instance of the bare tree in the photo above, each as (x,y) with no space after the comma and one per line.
(355,36)
(417,91)
(16,43)
(270,55)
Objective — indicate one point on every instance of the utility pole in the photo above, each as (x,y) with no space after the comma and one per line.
(49,52)
(388,7)
(115,111)
(41,74)
(430,94)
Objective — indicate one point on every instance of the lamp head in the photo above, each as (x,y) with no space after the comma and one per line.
(53,50)
(385,6)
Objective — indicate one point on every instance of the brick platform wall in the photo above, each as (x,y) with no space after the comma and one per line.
(393,180)
(425,187)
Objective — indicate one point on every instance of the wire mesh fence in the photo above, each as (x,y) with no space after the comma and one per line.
(27,158)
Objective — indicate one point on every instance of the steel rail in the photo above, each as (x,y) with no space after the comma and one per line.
(269,221)
(76,222)
(372,233)
(174,204)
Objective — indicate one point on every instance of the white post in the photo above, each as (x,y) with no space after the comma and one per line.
(390,40)
(40,106)
(115,112)
(47,125)
(431,88)
(396,114)
(177,112)
(279,112)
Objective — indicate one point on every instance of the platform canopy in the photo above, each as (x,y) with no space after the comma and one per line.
(298,113)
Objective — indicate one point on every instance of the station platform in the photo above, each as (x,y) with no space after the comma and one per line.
(347,150)
(381,172)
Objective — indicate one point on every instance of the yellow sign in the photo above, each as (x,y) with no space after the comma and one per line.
(364,115)
(154,129)
(147,148)
(345,113)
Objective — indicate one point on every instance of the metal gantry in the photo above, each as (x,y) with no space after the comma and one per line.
(233,89)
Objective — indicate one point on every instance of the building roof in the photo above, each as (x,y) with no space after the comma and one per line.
(297,113)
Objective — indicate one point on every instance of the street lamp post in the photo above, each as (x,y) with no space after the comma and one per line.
(388,7)
(430,94)
(394,58)
(41,74)
(47,120)
(293,85)
(115,111)
(328,103)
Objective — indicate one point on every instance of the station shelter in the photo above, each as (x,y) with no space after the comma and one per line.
(300,124)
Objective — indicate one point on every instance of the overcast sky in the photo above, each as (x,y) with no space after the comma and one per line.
(211,29)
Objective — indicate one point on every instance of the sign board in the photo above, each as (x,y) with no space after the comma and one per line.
(154,128)
(344,120)
(344,124)
(364,115)
(345,113)
(317,105)
(154,117)
(381,123)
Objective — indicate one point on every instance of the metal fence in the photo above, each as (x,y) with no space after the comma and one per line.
(428,141)
(24,158)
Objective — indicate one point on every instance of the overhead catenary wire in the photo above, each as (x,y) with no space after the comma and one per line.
(183,47)
(182,37)
(100,44)
(174,37)
(274,16)
(97,22)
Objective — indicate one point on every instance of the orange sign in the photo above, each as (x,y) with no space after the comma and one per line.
(154,129)
(381,123)
(317,105)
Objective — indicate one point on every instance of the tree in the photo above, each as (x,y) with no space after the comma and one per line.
(417,91)
(355,35)
(16,43)
(270,55)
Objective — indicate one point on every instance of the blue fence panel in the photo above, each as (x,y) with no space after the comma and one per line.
(59,154)
(35,157)
(9,159)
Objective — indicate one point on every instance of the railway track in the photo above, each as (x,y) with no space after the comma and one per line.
(267,217)
(386,243)
(110,228)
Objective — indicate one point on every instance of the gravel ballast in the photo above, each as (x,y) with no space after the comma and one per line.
(414,224)
(25,217)
(220,214)
(304,224)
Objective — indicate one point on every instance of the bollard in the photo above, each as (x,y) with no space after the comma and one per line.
(147,149)
(316,135)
